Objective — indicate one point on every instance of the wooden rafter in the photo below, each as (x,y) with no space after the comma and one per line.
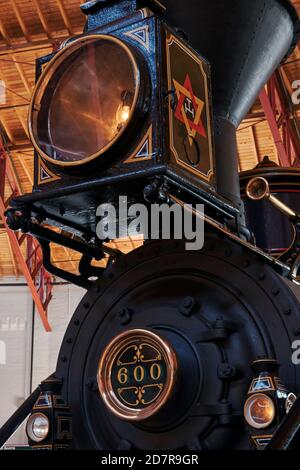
(22,75)
(20,19)
(42,17)
(20,146)
(22,121)
(29,47)
(253,138)
(7,129)
(4,34)
(65,17)
(25,168)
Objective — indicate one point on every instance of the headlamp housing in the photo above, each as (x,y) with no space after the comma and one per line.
(91,93)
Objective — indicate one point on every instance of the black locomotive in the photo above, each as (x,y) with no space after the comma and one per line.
(170,348)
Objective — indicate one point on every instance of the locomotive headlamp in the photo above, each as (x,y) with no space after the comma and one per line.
(89,93)
(259,411)
(37,427)
(136,374)
(268,401)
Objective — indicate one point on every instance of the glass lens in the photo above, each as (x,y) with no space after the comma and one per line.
(87,101)
(260,411)
(37,427)
(40,427)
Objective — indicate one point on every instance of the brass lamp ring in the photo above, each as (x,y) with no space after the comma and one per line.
(53,66)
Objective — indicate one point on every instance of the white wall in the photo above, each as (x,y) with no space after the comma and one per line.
(46,345)
(16,340)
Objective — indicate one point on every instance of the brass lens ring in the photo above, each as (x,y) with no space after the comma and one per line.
(52,72)
(258,189)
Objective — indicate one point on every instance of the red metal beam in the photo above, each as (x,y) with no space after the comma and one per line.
(278,114)
(268,107)
(38,279)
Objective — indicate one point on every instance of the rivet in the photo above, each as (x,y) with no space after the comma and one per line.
(64,358)
(69,340)
(125,316)
(89,383)
(86,305)
(187,302)
(76,322)
(187,305)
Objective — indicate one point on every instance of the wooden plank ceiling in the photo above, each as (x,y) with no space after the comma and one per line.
(30,29)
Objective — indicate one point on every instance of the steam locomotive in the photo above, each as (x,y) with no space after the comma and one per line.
(170,348)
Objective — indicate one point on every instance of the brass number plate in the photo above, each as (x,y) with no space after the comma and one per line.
(136,374)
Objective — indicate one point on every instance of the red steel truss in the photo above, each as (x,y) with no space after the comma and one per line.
(278,108)
(24,248)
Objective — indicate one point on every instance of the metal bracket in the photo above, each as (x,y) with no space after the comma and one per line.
(90,251)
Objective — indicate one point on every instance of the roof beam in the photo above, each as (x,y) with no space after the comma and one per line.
(42,18)
(31,46)
(20,146)
(22,121)
(25,169)
(4,34)
(65,17)
(7,129)
(22,75)
(254,143)
(14,106)
(20,19)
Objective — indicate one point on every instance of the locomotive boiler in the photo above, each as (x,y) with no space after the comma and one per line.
(170,348)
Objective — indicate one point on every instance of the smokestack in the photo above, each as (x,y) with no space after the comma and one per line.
(245,41)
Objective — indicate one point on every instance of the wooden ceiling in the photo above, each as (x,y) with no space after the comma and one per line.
(32,28)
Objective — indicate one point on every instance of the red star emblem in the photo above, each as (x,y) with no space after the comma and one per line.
(189,109)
